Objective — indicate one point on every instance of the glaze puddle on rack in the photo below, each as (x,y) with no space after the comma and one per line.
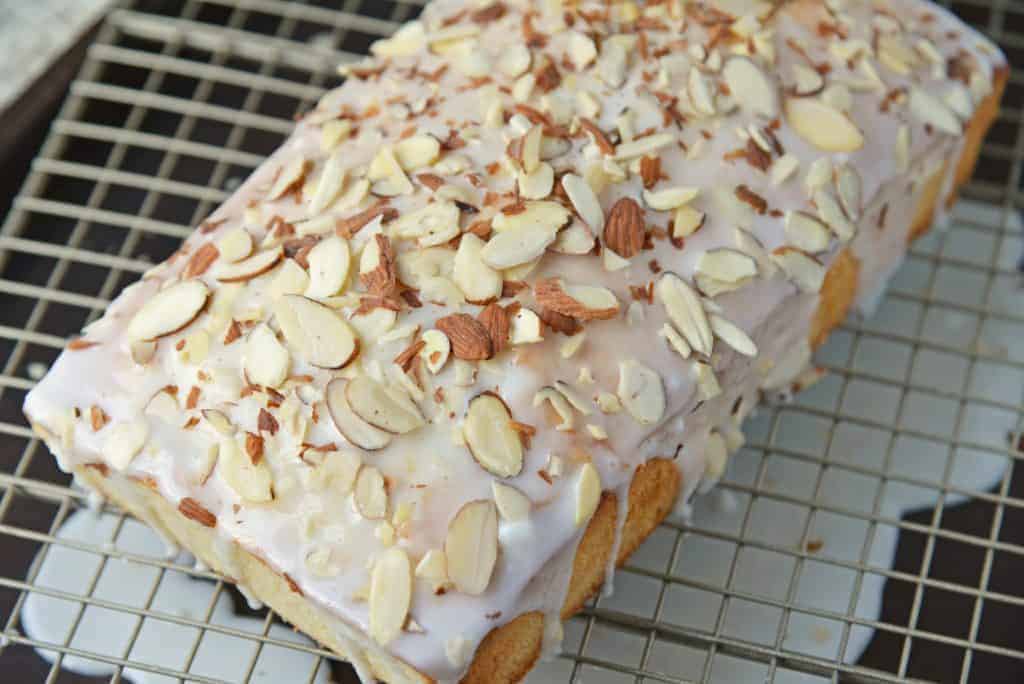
(874,460)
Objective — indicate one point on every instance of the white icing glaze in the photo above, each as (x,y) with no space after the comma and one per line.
(425,468)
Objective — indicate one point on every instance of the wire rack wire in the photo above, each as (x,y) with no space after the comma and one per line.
(178,101)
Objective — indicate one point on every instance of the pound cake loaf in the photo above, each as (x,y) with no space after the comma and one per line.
(454,350)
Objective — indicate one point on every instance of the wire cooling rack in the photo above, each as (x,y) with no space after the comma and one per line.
(872,530)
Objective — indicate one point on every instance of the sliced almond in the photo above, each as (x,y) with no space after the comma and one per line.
(732,335)
(265,359)
(932,111)
(512,504)
(582,50)
(526,328)
(290,177)
(687,221)
(235,246)
(806,232)
(560,405)
(329,262)
(436,348)
(169,310)
(831,213)
(523,237)
(434,224)
(218,421)
(332,180)
(317,333)
(804,270)
(783,168)
(478,281)
(387,175)
(252,482)
(291,279)
(530,152)
(685,311)
(753,89)
(332,133)
(514,60)
(848,185)
(490,437)
(822,126)
(668,199)
(808,80)
(576,239)
(588,493)
(433,567)
(470,339)
(369,494)
(124,441)
(726,265)
(247,269)
(701,96)
(641,392)
(142,351)
(390,595)
(353,428)
(582,302)
(584,201)
(382,407)
(640,147)
(417,151)
(538,184)
(471,547)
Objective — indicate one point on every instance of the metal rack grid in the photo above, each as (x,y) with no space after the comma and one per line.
(178,101)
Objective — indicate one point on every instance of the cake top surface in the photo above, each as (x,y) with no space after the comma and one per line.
(493,273)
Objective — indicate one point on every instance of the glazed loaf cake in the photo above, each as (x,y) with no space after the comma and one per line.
(455,349)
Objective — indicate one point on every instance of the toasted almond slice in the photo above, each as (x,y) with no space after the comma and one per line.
(699,90)
(582,302)
(525,240)
(641,392)
(289,177)
(471,546)
(382,407)
(390,595)
(266,360)
(755,91)
(685,311)
(352,427)
(431,225)
(806,232)
(808,80)
(727,265)
(369,495)
(732,335)
(332,180)
(588,493)
(687,221)
(930,110)
(253,482)
(235,246)
(804,270)
(124,441)
(317,333)
(329,263)
(831,213)
(848,185)
(247,269)
(512,504)
(478,281)
(584,201)
(417,151)
(169,310)
(490,437)
(826,128)
(668,199)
